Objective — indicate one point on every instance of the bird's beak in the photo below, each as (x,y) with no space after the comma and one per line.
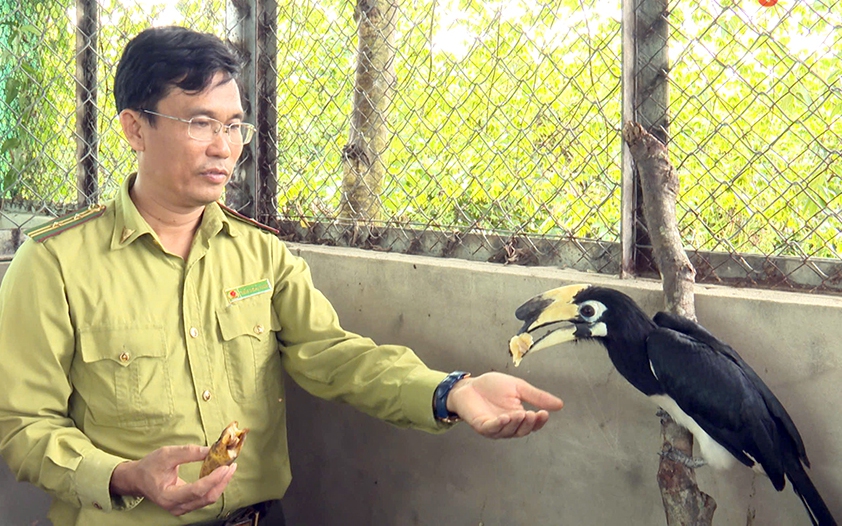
(553,306)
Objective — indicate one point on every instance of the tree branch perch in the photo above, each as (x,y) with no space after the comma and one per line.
(684,503)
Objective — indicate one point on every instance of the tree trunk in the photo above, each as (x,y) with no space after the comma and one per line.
(684,503)
(362,158)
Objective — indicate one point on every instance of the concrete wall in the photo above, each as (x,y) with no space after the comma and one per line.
(595,461)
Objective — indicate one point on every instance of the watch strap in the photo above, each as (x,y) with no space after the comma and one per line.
(440,397)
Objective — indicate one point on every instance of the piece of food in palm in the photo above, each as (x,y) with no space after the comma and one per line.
(225,450)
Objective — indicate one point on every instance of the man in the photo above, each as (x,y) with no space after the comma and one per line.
(133,332)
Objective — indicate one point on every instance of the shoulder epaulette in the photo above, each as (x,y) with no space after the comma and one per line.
(66,222)
(236,215)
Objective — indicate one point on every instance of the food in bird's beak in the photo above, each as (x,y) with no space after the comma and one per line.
(519,345)
(548,310)
(225,450)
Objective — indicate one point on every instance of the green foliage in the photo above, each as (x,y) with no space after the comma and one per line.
(315,83)
(512,128)
(38,150)
(31,84)
(505,116)
(757,128)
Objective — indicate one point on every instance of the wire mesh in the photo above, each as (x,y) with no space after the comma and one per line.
(40,108)
(503,123)
(502,126)
(756,137)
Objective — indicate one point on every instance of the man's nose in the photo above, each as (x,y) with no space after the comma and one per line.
(221,145)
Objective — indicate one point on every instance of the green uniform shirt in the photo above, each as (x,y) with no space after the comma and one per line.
(111,347)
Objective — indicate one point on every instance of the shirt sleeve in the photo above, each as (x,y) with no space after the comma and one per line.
(38,439)
(388,382)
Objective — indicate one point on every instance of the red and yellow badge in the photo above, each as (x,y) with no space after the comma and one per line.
(247,291)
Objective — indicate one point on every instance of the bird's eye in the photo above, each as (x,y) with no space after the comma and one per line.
(591,311)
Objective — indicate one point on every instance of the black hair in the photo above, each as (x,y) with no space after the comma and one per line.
(161,58)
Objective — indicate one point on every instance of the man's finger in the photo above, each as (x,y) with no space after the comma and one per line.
(541,418)
(518,419)
(528,425)
(183,454)
(492,427)
(204,491)
(199,489)
(539,398)
(509,428)
(215,491)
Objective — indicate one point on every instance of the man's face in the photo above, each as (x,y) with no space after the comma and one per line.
(177,171)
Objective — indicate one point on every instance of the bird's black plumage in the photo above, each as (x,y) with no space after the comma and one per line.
(676,360)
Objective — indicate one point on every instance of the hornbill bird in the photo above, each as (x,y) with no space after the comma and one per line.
(700,381)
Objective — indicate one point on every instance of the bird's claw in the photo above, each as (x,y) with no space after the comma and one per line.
(675,455)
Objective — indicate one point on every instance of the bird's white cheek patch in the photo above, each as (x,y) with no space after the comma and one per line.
(599,330)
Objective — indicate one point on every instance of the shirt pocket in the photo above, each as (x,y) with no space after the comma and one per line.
(124,378)
(252,359)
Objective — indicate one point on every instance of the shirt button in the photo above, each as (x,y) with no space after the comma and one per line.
(258,329)
(124,357)
(206,395)
(194,332)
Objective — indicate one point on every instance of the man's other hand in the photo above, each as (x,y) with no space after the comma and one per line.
(155,477)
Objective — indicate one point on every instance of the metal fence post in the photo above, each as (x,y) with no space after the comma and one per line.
(628,184)
(645,100)
(252,28)
(266,105)
(86,100)
(240,24)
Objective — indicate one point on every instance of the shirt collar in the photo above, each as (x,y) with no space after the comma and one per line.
(214,220)
(129,225)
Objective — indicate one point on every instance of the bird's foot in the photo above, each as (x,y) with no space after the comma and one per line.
(663,415)
(677,456)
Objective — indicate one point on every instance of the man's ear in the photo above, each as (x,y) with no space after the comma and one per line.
(133,129)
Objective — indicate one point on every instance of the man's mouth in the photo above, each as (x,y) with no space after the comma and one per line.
(216,175)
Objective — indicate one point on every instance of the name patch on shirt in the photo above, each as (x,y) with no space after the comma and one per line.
(247,291)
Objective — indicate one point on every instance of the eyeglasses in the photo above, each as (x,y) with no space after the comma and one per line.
(206,129)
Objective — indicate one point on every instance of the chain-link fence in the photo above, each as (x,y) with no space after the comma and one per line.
(481,130)
(502,123)
(60,141)
(756,137)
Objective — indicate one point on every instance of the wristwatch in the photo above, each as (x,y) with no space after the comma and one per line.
(440,397)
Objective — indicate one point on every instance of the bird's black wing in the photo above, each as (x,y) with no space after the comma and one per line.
(715,392)
(776,409)
(723,394)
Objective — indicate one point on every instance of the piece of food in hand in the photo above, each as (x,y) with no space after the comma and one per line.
(519,345)
(225,450)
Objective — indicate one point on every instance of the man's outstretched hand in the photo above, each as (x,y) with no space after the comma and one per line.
(492,404)
(155,477)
